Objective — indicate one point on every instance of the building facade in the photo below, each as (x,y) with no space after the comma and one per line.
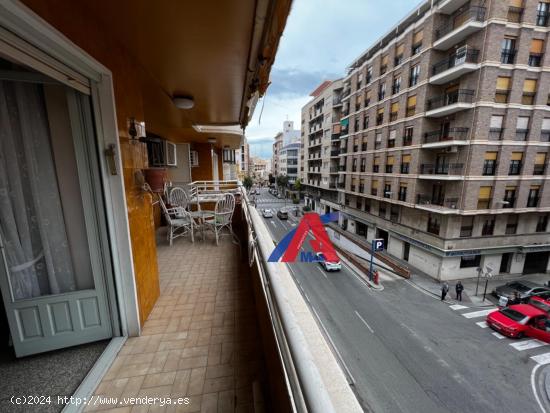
(320,137)
(288,136)
(446,153)
(242,158)
(289,161)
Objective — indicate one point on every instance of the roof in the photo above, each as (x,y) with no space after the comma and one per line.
(320,88)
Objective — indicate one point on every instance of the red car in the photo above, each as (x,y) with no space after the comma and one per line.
(542,303)
(521,320)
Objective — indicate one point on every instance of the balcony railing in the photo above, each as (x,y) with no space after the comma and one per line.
(422,199)
(459,96)
(469,56)
(341,168)
(515,14)
(474,13)
(508,57)
(335,152)
(543,17)
(334,169)
(539,169)
(495,134)
(450,134)
(521,134)
(443,169)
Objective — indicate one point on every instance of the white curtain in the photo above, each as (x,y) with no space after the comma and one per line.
(31,217)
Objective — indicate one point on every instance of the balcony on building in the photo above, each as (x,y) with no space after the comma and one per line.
(334,153)
(459,27)
(450,6)
(449,103)
(515,14)
(440,205)
(465,60)
(446,137)
(442,172)
(314,143)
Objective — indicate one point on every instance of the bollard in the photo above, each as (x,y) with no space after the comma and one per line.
(375,277)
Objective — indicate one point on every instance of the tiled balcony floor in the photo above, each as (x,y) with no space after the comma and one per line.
(201,340)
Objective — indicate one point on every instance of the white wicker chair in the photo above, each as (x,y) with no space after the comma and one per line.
(221,217)
(178,198)
(180,222)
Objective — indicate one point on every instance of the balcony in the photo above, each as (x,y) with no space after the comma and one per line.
(445,172)
(447,138)
(334,169)
(450,103)
(454,66)
(315,142)
(446,206)
(450,6)
(459,28)
(335,153)
(341,168)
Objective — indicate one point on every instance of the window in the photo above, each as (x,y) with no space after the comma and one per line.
(533,198)
(411,105)
(433,225)
(405,163)
(466,226)
(378,140)
(515,11)
(394,111)
(376,164)
(358,102)
(522,128)
(369,74)
(359,80)
(402,195)
(368,97)
(394,213)
(543,11)
(502,89)
(407,139)
(353,186)
(380,116)
(511,225)
(536,52)
(545,130)
(490,163)
(390,160)
(382,91)
(509,200)
(484,197)
(366,122)
(382,210)
(362,181)
(354,165)
(515,163)
(540,163)
(374,188)
(529,92)
(391,138)
(542,223)
(417,42)
(414,75)
(495,130)
(355,144)
(364,144)
(387,190)
(470,261)
(384,64)
(399,51)
(508,50)
(396,86)
(488,226)
(363,164)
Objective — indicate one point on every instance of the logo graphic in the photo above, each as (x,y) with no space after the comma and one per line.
(287,250)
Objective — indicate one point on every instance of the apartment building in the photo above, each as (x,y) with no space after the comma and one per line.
(320,134)
(277,146)
(446,157)
(242,159)
(288,136)
(289,161)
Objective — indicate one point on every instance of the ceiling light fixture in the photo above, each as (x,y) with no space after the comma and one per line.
(183,102)
(212,140)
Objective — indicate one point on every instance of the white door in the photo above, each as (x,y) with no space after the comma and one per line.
(52,269)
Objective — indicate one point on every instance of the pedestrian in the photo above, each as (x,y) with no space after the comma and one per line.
(444,290)
(458,288)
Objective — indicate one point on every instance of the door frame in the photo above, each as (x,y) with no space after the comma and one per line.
(32,37)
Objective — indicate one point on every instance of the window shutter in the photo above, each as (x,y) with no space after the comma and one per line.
(516,3)
(530,85)
(517,156)
(403,184)
(400,49)
(374,184)
(485,192)
(381,111)
(496,121)
(393,134)
(490,156)
(406,158)
(390,160)
(411,101)
(540,158)
(418,36)
(395,107)
(537,46)
(385,60)
(510,188)
(523,122)
(503,83)
(369,94)
(535,187)
(546,124)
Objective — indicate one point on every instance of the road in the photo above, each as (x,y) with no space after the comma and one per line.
(409,352)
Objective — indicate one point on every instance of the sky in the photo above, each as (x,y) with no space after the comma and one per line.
(321,38)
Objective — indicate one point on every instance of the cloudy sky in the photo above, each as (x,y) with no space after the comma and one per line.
(321,38)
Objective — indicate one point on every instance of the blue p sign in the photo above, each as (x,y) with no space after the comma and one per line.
(378,244)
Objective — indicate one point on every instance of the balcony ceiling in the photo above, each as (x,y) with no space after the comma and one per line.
(220,53)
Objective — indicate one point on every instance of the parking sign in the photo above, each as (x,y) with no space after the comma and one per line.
(378,244)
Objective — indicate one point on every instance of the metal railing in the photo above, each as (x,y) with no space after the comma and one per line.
(442,169)
(508,57)
(515,14)
(451,203)
(447,135)
(474,13)
(458,96)
(457,59)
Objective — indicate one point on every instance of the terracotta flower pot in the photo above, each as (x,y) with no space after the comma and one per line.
(155,177)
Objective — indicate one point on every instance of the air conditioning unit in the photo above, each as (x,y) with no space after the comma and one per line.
(170,157)
(194,158)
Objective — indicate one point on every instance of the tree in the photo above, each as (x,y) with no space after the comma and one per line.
(248,182)
(271,179)
(298,186)
(282,181)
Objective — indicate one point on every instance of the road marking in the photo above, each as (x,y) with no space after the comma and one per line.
(273,223)
(322,272)
(534,387)
(528,344)
(481,313)
(498,335)
(364,322)
(482,324)
(541,358)
(457,307)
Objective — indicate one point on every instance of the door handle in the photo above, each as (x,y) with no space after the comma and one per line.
(110,153)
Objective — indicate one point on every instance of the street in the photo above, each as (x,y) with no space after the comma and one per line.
(408,352)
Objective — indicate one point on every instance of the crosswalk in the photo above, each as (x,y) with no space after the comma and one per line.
(523,345)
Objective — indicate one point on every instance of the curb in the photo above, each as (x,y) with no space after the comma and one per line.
(361,275)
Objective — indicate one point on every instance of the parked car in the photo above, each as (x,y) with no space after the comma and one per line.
(267,213)
(282,214)
(521,320)
(328,265)
(525,289)
(542,302)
